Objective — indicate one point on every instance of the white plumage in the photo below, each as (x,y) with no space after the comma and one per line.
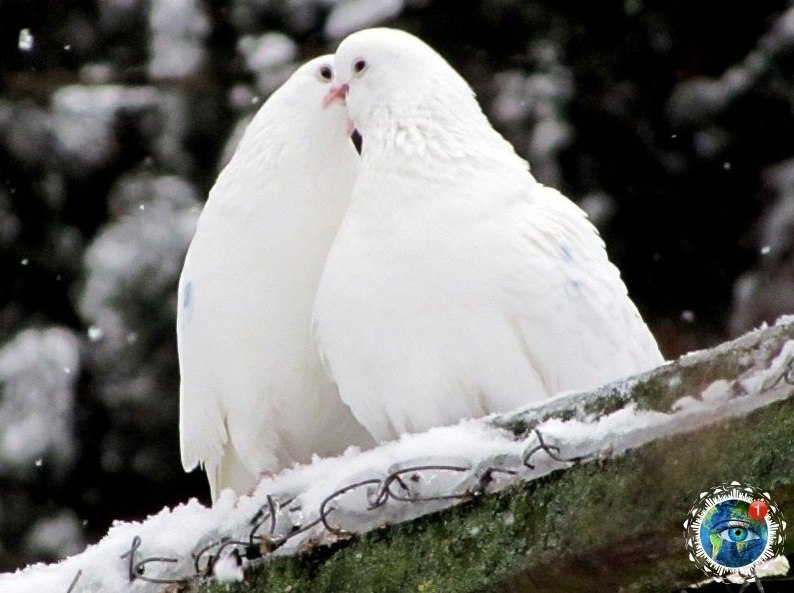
(457,284)
(254,396)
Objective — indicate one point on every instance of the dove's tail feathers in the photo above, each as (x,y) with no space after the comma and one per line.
(230,472)
(202,428)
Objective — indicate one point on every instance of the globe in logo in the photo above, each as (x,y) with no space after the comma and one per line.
(730,536)
(732,528)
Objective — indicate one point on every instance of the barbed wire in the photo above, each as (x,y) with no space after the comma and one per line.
(262,537)
(74,581)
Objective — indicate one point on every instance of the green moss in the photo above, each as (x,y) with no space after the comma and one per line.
(607,526)
(611,400)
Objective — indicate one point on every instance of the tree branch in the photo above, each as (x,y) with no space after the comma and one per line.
(613,522)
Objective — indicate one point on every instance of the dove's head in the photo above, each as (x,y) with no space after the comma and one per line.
(390,77)
(298,101)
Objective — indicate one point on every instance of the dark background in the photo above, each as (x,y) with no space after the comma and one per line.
(670,122)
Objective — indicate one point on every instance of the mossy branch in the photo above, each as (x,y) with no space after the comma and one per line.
(606,525)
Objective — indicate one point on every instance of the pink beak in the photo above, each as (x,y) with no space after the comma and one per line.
(336,93)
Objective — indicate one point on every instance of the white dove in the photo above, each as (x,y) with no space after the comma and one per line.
(254,396)
(457,284)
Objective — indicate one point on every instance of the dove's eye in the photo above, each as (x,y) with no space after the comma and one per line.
(359,66)
(325,72)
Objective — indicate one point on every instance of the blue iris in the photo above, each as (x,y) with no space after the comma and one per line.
(736,531)
(730,536)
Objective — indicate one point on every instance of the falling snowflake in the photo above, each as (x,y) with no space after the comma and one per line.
(26,40)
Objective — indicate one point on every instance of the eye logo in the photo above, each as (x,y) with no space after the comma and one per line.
(732,528)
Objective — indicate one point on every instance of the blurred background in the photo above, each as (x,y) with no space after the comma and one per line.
(670,122)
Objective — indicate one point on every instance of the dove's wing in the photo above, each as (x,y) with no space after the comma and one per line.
(223,335)
(463,302)
(569,304)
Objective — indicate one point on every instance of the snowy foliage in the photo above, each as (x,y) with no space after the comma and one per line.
(268,51)
(270,57)
(26,133)
(38,370)
(84,118)
(702,98)
(128,301)
(26,40)
(537,103)
(132,266)
(765,293)
(55,536)
(351,15)
(179,29)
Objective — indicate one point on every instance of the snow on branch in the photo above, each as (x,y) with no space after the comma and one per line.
(531,478)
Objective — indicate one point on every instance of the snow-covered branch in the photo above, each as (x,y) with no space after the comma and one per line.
(713,416)
(554,496)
